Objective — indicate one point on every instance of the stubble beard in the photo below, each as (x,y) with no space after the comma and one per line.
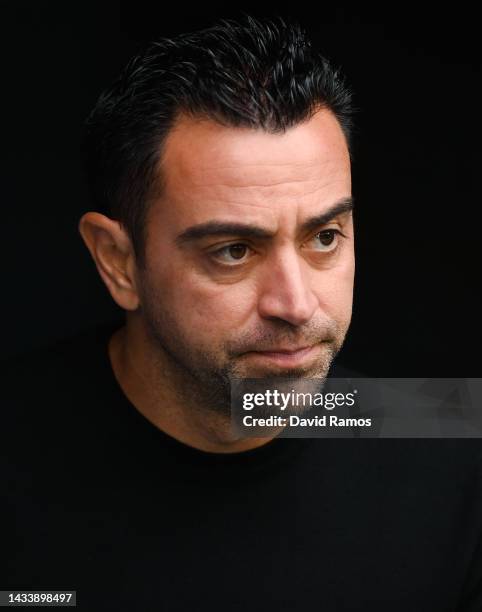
(203,381)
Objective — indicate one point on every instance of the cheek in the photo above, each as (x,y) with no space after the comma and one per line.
(334,288)
(208,307)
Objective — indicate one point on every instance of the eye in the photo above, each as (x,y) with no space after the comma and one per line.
(326,240)
(232,254)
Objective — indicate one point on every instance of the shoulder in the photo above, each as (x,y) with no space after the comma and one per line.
(40,385)
(60,355)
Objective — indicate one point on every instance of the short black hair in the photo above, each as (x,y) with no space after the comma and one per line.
(250,72)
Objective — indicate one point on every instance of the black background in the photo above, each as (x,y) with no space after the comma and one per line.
(415,172)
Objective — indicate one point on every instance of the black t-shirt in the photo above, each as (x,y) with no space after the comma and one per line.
(97,499)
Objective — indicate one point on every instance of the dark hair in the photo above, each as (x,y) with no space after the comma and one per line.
(250,73)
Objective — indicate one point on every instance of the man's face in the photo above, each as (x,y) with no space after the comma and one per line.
(250,252)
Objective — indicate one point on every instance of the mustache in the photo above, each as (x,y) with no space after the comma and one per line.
(269,339)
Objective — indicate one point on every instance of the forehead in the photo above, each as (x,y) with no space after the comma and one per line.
(209,169)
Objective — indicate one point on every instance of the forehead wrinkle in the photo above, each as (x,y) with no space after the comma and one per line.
(233,197)
(292,184)
(243,182)
(214,168)
(258,191)
(313,170)
(260,164)
(254,175)
(261,184)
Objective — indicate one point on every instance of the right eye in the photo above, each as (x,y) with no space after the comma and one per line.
(232,254)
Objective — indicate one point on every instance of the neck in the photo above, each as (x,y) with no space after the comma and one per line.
(154,386)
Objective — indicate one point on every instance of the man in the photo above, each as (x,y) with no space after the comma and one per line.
(246,249)
(220,162)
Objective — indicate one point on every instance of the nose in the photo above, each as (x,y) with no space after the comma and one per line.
(285,292)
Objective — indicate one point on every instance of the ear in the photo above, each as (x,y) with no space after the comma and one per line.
(113,254)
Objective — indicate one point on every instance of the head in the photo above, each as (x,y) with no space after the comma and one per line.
(220,164)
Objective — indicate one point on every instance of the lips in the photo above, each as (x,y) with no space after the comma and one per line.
(284,351)
(287,357)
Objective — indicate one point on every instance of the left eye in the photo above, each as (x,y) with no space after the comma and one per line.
(326,240)
(232,253)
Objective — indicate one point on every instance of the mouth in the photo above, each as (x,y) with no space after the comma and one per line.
(287,357)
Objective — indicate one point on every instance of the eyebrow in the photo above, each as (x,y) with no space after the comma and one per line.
(246,230)
(341,207)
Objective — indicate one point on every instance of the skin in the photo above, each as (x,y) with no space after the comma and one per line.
(208,307)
